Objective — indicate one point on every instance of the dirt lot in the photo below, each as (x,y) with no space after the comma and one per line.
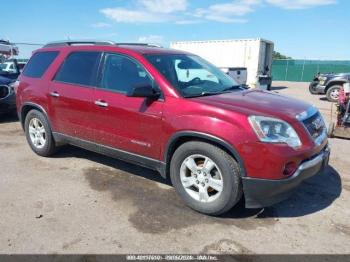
(81,202)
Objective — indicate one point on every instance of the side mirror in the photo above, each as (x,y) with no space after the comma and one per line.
(143,91)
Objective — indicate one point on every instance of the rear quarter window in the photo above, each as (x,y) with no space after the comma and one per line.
(39,63)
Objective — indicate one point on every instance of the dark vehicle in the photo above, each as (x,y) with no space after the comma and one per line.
(176,113)
(7,83)
(329,84)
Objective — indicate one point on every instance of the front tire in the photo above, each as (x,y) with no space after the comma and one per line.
(333,93)
(38,133)
(206,177)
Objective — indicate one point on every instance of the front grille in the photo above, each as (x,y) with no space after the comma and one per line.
(4,91)
(315,125)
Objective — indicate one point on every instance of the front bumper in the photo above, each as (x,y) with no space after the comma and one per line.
(8,103)
(264,192)
(321,89)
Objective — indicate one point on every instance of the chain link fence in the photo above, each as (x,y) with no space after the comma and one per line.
(304,70)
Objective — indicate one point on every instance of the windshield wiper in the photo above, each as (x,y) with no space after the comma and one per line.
(232,88)
(204,93)
(210,93)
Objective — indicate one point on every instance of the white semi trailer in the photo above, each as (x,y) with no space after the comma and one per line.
(253,54)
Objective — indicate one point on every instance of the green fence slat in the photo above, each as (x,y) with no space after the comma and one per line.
(297,70)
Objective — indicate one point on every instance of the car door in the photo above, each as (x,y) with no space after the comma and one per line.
(132,124)
(71,95)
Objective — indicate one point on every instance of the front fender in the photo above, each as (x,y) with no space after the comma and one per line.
(206,137)
(336,81)
(235,128)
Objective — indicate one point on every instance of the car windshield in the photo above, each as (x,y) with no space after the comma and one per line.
(191,75)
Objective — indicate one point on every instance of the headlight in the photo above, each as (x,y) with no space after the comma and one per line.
(322,80)
(273,130)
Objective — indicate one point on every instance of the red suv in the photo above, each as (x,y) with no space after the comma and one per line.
(173,112)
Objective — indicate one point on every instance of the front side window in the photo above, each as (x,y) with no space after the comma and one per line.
(191,75)
(121,73)
(39,63)
(79,68)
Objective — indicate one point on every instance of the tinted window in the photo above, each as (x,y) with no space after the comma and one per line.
(39,63)
(121,73)
(79,68)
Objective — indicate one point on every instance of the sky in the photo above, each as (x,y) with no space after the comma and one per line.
(311,29)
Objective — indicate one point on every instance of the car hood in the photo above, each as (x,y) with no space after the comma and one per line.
(336,75)
(258,102)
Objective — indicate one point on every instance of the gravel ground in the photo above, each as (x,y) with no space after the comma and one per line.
(81,202)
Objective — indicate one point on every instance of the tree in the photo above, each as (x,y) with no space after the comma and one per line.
(278,55)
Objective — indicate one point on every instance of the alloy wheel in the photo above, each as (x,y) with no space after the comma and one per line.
(37,133)
(201,178)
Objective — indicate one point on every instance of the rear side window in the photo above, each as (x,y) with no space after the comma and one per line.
(79,68)
(39,63)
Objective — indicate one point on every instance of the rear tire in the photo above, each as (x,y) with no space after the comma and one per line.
(333,93)
(211,166)
(39,134)
(312,87)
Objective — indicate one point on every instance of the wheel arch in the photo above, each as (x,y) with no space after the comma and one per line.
(335,82)
(26,107)
(186,136)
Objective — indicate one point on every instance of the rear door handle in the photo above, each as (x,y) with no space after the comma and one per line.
(101,103)
(54,94)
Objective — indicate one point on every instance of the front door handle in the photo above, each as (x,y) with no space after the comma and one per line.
(101,103)
(54,94)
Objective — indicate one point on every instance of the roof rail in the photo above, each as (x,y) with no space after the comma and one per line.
(94,42)
(140,44)
(78,42)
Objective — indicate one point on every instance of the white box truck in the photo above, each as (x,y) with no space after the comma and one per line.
(253,54)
